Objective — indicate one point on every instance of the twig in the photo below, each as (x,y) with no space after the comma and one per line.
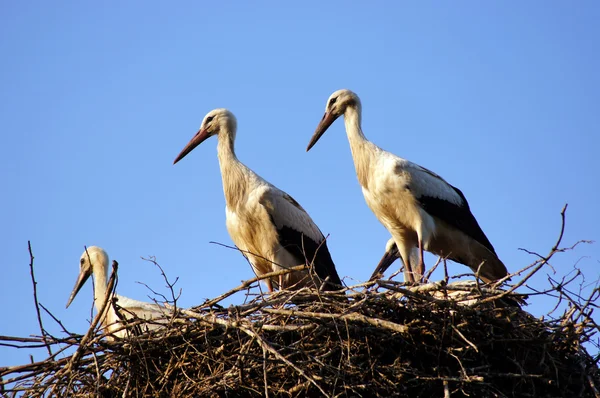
(543,262)
(265,378)
(35,298)
(433,268)
(342,317)
(462,336)
(593,386)
(277,355)
(170,285)
(56,320)
(247,284)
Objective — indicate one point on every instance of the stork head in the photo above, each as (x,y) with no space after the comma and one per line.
(215,122)
(336,106)
(391,254)
(93,259)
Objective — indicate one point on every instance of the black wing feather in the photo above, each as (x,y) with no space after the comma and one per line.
(303,248)
(457,216)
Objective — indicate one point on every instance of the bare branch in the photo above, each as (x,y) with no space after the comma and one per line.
(35,298)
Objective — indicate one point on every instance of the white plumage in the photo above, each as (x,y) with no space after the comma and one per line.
(418,207)
(95,261)
(270,228)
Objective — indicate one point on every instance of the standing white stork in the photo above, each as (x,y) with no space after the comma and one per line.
(269,227)
(94,260)
(418,207)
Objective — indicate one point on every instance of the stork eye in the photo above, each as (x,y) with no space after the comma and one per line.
(209,119)
(82,261)
(332,101)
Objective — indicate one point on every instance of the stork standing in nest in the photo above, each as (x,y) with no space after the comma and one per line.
(269,227)
(418,207)
(94,260)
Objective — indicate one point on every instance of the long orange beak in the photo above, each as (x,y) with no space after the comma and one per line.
(328,119)
(198,139)
(388,259)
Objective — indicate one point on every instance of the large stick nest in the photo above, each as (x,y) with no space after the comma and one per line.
(420,341)
(449,338)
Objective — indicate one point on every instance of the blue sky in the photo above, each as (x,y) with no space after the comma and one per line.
(97,100)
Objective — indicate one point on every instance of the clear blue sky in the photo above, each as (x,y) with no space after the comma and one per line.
(96,100)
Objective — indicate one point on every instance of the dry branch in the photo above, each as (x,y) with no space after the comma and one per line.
(35,298)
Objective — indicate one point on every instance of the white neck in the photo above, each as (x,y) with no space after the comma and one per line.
(353,120)
(361,148)
(225,147)
(233,172)
(356,137)
(100,281)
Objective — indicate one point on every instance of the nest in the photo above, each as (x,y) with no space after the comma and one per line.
(391,340)
(384,338)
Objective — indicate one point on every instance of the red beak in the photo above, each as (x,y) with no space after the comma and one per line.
(200,136)
(328,119)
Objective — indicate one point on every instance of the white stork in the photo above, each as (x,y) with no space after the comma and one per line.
(418,207)
(268,226)
(94,260)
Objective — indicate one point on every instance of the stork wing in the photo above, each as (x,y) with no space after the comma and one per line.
(298,233)
(442,200)
(142,309)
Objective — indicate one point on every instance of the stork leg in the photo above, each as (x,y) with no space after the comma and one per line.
(421,267)
(408,273)
(404,249)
